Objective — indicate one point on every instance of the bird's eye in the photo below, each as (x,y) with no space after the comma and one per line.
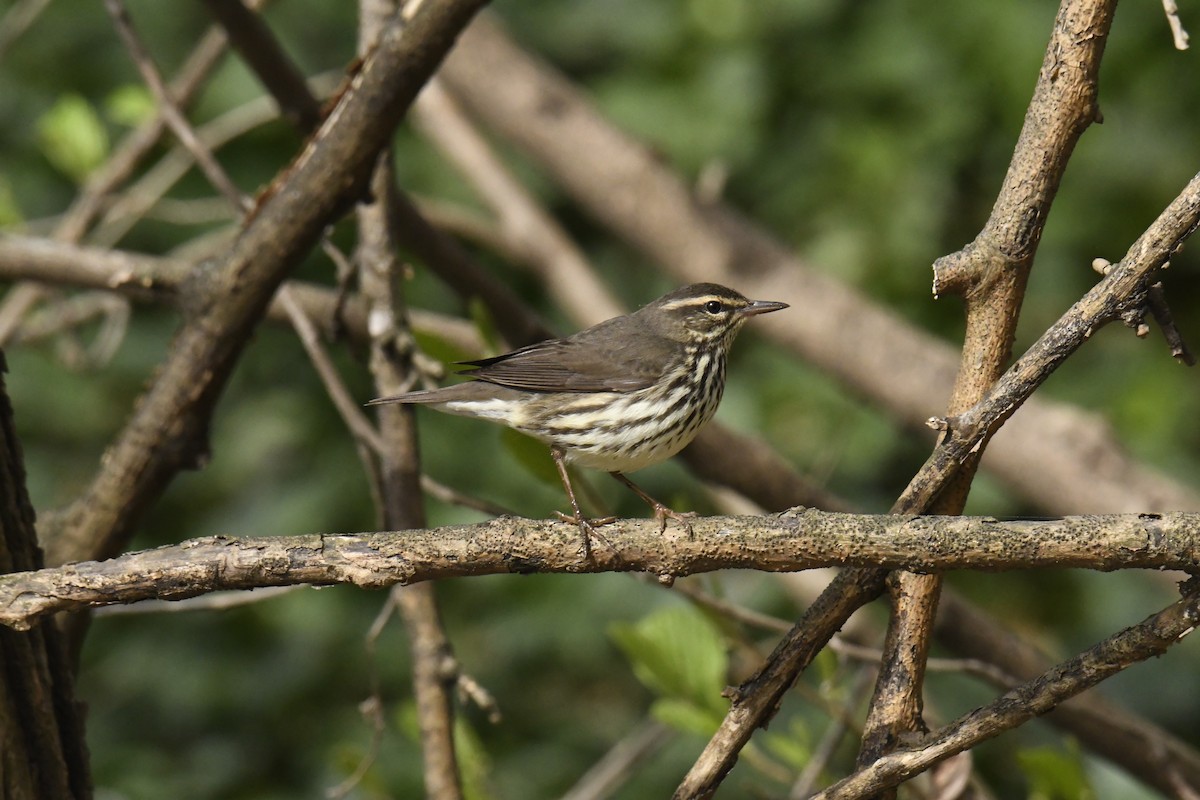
(714,307)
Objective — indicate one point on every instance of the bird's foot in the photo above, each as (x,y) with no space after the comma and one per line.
(662,514)
(588,528)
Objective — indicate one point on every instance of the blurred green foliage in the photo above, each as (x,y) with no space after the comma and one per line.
(870,137)
(680,657)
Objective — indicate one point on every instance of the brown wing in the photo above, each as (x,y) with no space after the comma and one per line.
(614,356)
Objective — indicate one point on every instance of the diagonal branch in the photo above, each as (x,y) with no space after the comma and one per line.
(1147,751)
(1125,287)
(1150,638)
(991,274)
(168,430)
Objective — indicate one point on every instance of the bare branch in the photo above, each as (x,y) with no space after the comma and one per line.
(529,229)
(170,112)
(618,764)
(151,278)
(168,431)
(1146,750)
(1178,34)
(991,274)
(1124,287)
(1152,637)
(794,540)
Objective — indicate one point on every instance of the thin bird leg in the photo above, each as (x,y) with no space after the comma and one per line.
(661,512)
(586,526)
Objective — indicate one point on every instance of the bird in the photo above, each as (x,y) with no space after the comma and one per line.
(622,395)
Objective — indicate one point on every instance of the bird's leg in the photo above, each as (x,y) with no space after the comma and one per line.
(586,526)
(661,512)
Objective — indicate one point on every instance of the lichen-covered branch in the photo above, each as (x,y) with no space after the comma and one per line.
(795,540)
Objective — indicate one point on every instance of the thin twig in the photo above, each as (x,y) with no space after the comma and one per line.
(349,408)
(141,141)
(838,728)
(733,611)
(1178,34)
(618,764)
(452,496)
(1156,301)
(532,232)
(372,707)
(975,667)
(170,111)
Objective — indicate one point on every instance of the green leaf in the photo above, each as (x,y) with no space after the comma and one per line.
(130,105)
(1054,774)
(72,137)
(677,653)
(683,715)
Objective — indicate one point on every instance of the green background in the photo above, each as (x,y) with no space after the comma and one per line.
(871,138)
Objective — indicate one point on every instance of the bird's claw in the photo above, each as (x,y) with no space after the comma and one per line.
(662,513)
(588,528)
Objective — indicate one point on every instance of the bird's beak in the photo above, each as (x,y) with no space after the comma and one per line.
(761,307)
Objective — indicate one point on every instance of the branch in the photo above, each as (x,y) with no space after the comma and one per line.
(161,279)
(1149,638)
(41,724)
(1123,288)
(795,540)
(991,274)
(167,432)
(1120,289)
(1148,752)
(434,668)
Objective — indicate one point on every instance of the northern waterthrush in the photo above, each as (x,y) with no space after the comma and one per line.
(619,396)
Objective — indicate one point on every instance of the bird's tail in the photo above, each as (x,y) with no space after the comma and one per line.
(468,391)
(426,396)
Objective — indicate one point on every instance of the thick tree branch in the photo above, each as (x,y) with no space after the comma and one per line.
(167,432)
(991,274)
(795,540)
(43,753)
